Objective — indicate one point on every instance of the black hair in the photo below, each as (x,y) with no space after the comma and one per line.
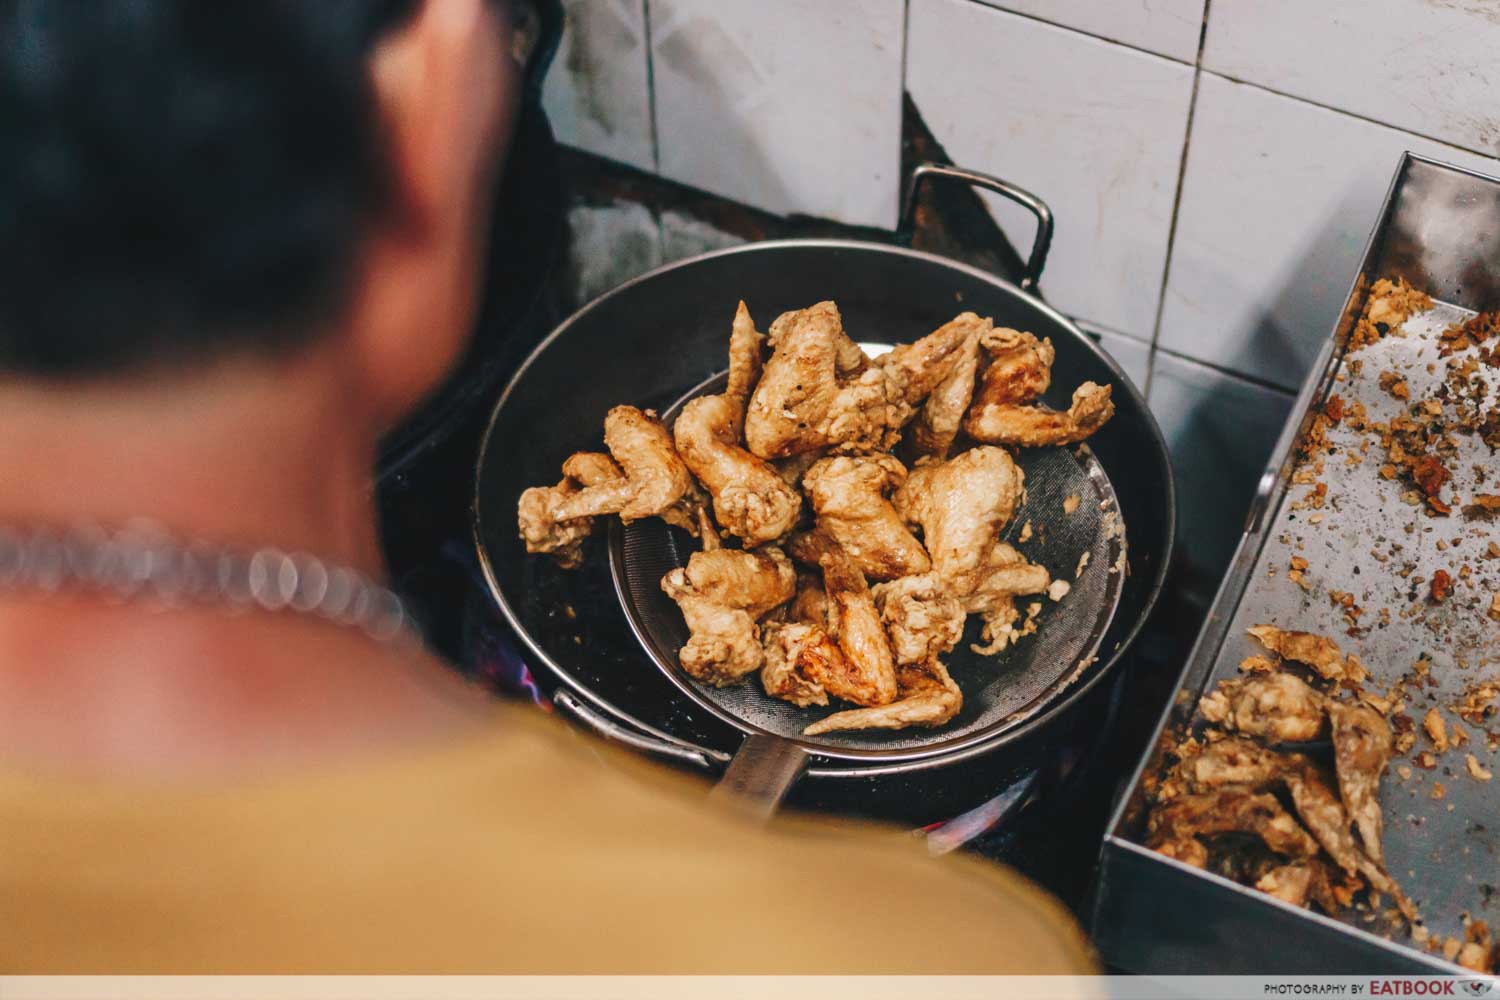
(181,179)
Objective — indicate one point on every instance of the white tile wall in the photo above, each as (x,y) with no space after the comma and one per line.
(1428,66)
(1094,129)
(793,106)
(1166,27)
(1278,199)
(1220,430)
(1302,111)
(685,236)
(1133,355)
(597,94)
(611,244)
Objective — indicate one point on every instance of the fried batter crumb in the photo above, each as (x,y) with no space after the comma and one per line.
(1436,731)
(1477,771)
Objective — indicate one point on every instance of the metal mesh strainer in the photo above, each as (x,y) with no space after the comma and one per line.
(1000,691)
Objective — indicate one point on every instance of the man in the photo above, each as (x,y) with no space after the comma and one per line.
(241,240)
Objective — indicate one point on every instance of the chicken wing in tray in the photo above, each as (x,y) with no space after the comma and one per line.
(816,419)
(1265,711)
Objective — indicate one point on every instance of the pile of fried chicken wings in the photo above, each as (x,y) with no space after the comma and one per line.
(832,567)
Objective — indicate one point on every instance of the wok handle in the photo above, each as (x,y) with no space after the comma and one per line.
(1032,272)
(763,770)
(590,718)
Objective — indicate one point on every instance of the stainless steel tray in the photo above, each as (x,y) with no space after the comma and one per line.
(1440,231)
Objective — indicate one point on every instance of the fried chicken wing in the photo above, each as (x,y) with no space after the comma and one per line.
(852,620)
(797,655)
(1361,749)
(1018,368)
(655,479)
(921,618)
(723,593)
(962,506)
(746,362)
(811,603)
(804,665)
(1005,410)
(917,369)
(750,498)
(818,390)
(1279,706)
(543,530)
(928,697)
(939,420)
(1249,765)
(849,496)
(1036,426)
(1174,828)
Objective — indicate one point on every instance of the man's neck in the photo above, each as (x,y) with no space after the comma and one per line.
(247,456)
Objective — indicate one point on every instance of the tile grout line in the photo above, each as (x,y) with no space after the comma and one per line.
(1217,369)
(901,115)
(1080,31)
(651,88)
(1198,66)
(1449,143)
(1187,139)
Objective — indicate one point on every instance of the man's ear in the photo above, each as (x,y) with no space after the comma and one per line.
(430,79)
(446,90)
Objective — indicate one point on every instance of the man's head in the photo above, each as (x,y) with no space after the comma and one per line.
(186,183)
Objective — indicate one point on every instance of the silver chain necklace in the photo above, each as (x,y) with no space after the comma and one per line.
(144,562)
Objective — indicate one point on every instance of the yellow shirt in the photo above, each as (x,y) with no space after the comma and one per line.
(522,850)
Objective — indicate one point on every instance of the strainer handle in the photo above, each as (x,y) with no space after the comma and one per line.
(761,774)
(590,718)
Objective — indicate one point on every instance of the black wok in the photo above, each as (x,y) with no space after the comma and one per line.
(652,339)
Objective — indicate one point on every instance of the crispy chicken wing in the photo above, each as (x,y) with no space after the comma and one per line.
(1036,425)
(928,697)
(962,506)
(921,618)
(798,655)
(849,496)
(1174,828)
(1277,706)
(1005,410)
(537,513)
(722,594)
(852,620)
(1247,764)
(819,390)
(940,418)
(1361,749)
(811,603)
(917,369)
(655,479)
(1017,368)
(746,362)
(750,498)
